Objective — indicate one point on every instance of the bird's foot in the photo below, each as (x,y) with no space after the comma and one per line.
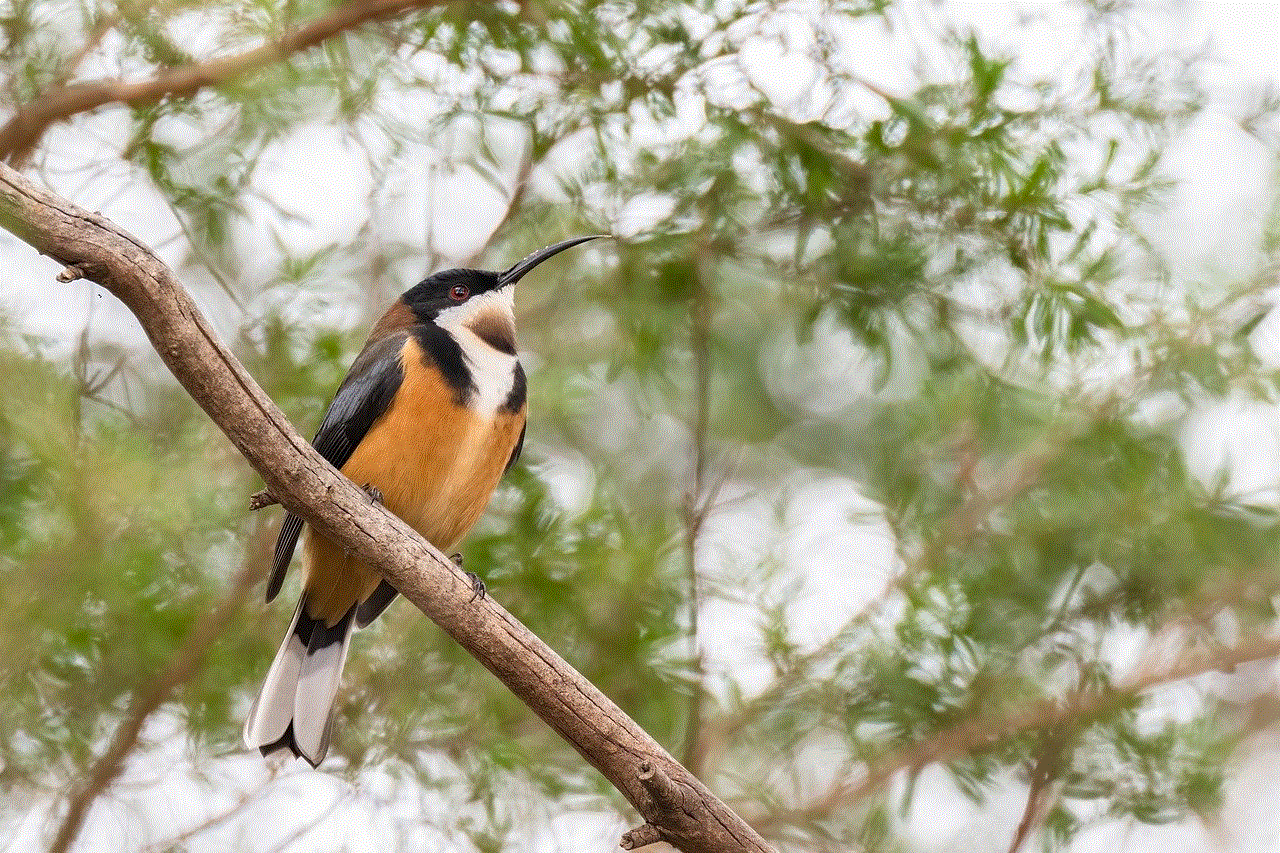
(478,589)
(374,493)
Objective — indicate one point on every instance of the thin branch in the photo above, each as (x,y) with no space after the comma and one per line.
(23,131)
(96,35)
(515,202)
(196,246)
(696,507)
(177,842)
(1042,773)
(287,842)
(1015,477)
(185,664)
(67,69)
(339,510)
(1077,708)
(800,671)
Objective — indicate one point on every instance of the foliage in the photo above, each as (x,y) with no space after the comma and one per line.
(947,306)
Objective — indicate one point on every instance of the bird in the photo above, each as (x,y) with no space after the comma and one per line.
(429,417)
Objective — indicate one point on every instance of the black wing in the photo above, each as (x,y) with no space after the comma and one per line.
(371,608)
(363,397)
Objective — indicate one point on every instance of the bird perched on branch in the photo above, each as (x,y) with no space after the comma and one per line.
(429,417)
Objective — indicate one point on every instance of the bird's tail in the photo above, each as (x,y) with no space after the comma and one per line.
(294,711)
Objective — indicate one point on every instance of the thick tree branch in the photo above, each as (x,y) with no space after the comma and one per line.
(22,132)
(308,485)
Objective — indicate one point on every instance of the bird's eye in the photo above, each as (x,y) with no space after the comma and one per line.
(459,292)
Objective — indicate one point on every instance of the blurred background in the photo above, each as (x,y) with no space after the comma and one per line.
(908,466)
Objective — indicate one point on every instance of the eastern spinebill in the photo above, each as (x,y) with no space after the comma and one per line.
(429,417)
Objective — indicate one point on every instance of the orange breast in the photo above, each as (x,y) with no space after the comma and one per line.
(436,464)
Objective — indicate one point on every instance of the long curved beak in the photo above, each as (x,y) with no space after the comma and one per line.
(517,271)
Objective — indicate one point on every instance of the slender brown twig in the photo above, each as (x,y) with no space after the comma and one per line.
(177,842)
(186,662)
(978,734)
(1042,774)
(24,129)
(698,502)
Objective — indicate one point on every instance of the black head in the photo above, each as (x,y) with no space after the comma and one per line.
(447,289)
(451,288)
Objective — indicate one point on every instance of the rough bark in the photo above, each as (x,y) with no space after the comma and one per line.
(681,809)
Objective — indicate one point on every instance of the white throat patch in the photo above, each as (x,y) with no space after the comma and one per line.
(492,371)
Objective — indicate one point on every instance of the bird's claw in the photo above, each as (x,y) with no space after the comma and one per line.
(477,587)
(374,493)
